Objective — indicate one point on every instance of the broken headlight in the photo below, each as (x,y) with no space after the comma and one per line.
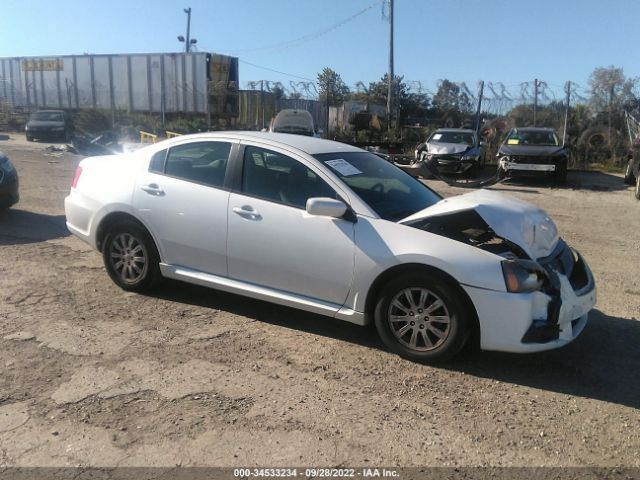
(522,276)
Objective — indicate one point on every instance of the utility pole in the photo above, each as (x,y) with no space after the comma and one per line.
(262,101)
(566,113)
(611,94)
(535,100)
(188,42)
(326,94)
(478,112)
(390,103)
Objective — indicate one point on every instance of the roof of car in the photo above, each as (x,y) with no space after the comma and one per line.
(310,145)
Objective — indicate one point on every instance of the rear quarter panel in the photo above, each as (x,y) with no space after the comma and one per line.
(105,185)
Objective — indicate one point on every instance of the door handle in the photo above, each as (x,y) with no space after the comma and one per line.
(247,211)
(153,189)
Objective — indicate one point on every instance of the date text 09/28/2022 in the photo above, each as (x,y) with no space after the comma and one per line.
(315,472)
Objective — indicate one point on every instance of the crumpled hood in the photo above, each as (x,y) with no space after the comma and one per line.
(531,150)
(444,148)
(524,224)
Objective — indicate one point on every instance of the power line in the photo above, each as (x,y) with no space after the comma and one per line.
(312,36)
(277,71)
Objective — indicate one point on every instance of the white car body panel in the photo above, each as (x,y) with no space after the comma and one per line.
(442,148)
(189,221)
(520,222)
(319,250)
(321,264)
(105,186)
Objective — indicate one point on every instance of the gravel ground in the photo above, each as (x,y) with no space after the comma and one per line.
(95,376)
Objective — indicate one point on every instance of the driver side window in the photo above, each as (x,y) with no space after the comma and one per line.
(276,177)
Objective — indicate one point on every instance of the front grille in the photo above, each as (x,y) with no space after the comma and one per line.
(535,160)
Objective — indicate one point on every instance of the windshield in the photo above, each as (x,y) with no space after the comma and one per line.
(452,137)
(524,137)
(47,116)
(390,192)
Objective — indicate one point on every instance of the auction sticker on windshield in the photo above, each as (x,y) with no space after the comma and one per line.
(343,167)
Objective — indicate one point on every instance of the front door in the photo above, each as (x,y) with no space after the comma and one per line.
(272,240)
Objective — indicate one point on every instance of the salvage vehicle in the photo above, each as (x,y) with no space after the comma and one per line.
(452,150)
(332,229)
(9,194)
(533,152)
(299,122)
(49,124)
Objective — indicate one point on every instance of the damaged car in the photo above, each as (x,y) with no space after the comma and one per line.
(451,151)
(49,124)
(331,229)
(533,152)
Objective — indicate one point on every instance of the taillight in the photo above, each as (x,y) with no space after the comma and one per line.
(76,177)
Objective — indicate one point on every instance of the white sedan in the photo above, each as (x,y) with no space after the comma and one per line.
(333,229)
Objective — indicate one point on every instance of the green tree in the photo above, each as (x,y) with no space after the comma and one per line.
(610,89)
(409,103)
(451,97)
(330,83)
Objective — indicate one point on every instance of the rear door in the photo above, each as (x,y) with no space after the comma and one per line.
(183,201)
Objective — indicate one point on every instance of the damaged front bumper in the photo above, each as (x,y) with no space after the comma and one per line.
(538,321)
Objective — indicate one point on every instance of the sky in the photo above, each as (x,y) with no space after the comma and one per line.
(508,41)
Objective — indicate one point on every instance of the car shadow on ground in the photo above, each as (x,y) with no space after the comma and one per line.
(576,180)
(20,227)
(602,364)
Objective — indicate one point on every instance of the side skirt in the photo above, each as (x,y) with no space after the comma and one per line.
(262,293)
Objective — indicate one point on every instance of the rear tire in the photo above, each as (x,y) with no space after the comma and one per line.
(29,138)
(637,190)
(131,257)
(422,317)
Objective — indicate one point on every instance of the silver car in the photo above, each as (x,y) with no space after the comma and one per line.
(336,230)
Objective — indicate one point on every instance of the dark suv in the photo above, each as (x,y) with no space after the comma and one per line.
(49,124)
(533,152)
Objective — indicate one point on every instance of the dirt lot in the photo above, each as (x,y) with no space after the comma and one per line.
(92,375)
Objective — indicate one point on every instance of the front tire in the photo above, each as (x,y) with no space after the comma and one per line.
(131,257)
(422,317)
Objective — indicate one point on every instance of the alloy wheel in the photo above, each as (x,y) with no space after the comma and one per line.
(128,257)
(419,319)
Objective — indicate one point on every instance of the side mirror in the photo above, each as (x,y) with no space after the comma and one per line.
(326,207)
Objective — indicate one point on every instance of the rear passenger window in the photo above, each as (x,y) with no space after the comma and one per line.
(202,162)
(157,162)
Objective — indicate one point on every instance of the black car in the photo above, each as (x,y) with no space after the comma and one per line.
(533,152)
(49,124)
(8,183)
(451,151)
